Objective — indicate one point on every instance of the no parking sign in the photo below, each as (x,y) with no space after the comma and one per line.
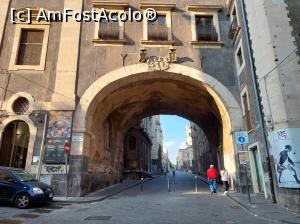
(241,137)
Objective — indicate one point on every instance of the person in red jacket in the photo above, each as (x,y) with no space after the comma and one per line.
(212,174)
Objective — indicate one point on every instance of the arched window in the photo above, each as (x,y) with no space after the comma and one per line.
(132,143)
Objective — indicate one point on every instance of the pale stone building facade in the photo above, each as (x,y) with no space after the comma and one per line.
(202,155)
(86,84)
(184,159)
(267,65)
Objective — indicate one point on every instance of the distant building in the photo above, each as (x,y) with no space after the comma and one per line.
(165,159)
(157,144)
(203,156)
(184,159)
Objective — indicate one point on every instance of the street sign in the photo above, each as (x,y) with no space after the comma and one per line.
(244,158)
(67,148)
(241,137)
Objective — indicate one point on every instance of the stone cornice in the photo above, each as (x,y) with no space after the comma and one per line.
(207,43)
(198,8)
(158,6)
(109,4)
(158,42)
(112,42)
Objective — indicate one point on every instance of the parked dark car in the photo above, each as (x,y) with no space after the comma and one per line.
(21,188)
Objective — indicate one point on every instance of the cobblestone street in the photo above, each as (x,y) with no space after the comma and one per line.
(154,205)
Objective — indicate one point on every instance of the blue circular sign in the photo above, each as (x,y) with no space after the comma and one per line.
(242,139)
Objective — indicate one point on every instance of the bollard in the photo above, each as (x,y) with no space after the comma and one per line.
(196,184)
(142,180)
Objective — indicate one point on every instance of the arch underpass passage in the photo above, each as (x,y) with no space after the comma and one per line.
(117,100)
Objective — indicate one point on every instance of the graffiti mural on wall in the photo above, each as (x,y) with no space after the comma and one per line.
(285,145)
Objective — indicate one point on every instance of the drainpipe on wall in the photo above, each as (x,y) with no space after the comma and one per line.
(258,103)
(38,175)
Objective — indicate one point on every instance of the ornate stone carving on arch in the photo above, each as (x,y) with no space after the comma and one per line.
(32,137)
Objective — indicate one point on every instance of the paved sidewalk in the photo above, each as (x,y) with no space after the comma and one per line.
(263,208)
(102,193)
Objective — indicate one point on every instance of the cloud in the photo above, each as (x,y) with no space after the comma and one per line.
(182,145)
(173,147)
(169,144)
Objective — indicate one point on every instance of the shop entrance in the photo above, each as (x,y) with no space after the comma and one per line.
(15,139)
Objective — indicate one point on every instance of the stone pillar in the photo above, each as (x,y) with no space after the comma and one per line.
(3,15)
(66,70)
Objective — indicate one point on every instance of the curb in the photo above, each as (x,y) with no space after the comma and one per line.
(101,198)
(245,208)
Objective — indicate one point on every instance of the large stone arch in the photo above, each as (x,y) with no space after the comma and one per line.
(229,109)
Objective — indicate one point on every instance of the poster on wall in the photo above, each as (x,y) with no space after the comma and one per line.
(58,133)
(285,145)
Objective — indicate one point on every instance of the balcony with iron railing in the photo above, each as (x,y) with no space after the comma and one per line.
(234,29)
(109,31)
(207,33)
(158,32)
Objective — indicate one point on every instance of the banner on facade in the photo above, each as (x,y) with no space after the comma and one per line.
(285,145)
(58,134)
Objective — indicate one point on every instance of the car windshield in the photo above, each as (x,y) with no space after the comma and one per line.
(23,175)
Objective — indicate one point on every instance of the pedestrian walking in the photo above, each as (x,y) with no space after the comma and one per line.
(212,174)
(173,172)
(224,178)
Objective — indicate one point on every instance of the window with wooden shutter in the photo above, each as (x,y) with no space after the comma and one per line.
(247,118)
(109,30)
(205,29)
(30,47)
(158,29)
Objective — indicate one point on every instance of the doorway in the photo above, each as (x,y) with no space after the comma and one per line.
(256,169)
(14,147)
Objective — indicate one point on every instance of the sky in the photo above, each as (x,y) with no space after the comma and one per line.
(174,134)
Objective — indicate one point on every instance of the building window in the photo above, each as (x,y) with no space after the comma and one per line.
(30,48)
(205,29)
(158,32)
(246,109)
(205,25)
(132,143)
(239,58)
(30,45)
(109,32)
(158,29)
(235,25)
(20,105)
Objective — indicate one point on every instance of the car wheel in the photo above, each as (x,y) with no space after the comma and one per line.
(22,200)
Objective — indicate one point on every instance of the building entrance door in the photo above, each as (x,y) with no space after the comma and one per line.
(256,170)
(14,146)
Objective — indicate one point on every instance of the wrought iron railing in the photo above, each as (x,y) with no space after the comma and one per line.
(233,28)
(157,32)
(207,33)
(109,31)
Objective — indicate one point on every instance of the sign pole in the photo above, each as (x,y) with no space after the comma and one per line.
(67,151)
(247,181)
(66,157)
(241,138)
